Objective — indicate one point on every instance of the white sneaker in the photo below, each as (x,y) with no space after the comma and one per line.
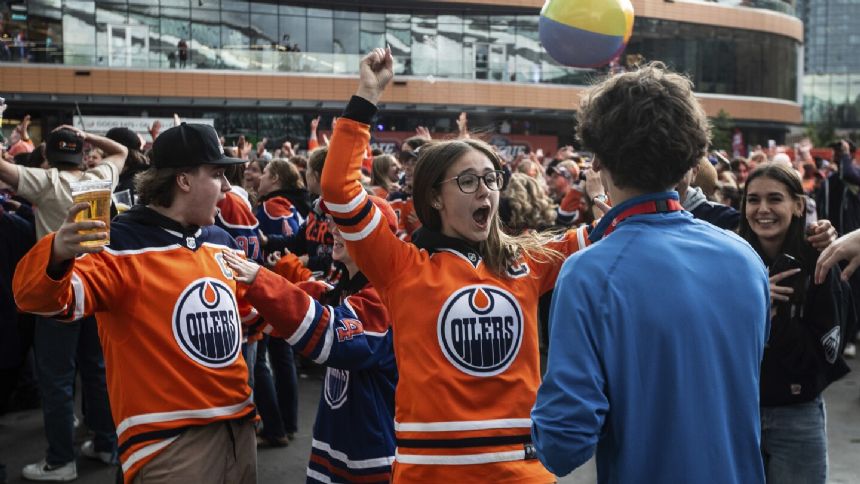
(850,350)
(41,471)
(88,450)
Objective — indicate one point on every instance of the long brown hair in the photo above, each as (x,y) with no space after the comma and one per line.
(287,174)
(379,174)
(500,251)
(795,243)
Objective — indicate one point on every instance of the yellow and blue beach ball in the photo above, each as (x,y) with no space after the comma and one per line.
(585,33)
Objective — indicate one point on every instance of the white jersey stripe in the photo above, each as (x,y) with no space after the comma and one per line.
(455,460)
(159,417)
(352,464)
(354,236)
(305,325)
(326,349)
(504,423)
(580,237)
(318,476)
(145,452)
(78,290)
(348,207)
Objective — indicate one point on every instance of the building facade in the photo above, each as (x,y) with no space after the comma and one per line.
(268,67)
(831,84)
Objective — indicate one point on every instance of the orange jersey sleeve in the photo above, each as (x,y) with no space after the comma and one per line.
(290,268)
(380,255)
(566,243)
(75,295)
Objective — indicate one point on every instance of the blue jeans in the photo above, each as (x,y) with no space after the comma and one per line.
(249,352)
(60,349)
(794,443)
(278,408)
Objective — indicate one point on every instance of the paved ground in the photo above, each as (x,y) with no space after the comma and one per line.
(22,441)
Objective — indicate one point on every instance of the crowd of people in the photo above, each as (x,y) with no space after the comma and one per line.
(428,284)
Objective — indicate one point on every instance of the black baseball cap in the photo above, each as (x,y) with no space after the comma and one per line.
(125,137)
(64,146)
(189,145)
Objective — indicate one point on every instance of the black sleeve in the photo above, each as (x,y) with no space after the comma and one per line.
(296,243)
(811,341)
(360,109)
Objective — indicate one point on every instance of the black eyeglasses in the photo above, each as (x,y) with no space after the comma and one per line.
(468,182)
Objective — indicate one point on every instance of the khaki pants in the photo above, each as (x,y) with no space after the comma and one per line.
(221,452)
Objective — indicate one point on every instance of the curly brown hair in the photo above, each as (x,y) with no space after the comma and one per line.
(529,206)
(645,127)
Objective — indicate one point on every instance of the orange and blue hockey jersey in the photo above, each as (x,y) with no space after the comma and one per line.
(169,318)
(235,216)
(465,337)
(313,239)
(280,213)
(348,330)
(571,208)
(401,203)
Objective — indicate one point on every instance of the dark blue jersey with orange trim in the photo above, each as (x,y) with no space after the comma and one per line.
(313,239)
(278,216)
(235,216)
(348,330)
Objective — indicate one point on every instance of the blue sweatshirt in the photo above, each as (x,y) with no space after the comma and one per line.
(656,339)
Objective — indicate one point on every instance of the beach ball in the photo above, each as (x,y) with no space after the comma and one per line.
(585,33)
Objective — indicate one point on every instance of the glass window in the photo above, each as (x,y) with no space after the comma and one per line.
(205,38)
(45,30)
(345,36)
(320,34)
(424,48)
(527,50)
(372,31)
(235,48)
(79,32)
(449,39)
(293,32)
(287,10)
(398,34)
(319,12)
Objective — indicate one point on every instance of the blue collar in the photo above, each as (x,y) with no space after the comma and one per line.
(611,218)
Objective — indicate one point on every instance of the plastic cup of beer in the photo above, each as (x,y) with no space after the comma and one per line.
(97,193)
(122,200)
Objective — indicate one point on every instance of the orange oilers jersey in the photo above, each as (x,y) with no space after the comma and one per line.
(571,208)
(401,203)
(466,339)
(169,318)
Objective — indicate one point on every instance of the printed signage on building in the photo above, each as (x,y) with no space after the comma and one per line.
(509,145)
(101,124)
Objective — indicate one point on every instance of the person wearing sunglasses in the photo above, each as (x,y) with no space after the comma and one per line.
(462,300)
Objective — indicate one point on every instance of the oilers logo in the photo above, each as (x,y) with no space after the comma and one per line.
(480,330)
(335,387)
(206,323)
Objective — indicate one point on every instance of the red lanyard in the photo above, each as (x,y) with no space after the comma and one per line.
(656,206)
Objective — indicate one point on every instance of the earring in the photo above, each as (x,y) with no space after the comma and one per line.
(437,206)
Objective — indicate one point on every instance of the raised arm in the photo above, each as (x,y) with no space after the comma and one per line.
(380,255)
(115,153)
(49,281)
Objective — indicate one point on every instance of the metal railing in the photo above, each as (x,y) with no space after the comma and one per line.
(515,68)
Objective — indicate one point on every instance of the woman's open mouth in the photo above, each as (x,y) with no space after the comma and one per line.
(481,216)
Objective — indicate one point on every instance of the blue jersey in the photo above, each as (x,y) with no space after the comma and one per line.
(656,339)
(235,216)
(353,436)
(278,216)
